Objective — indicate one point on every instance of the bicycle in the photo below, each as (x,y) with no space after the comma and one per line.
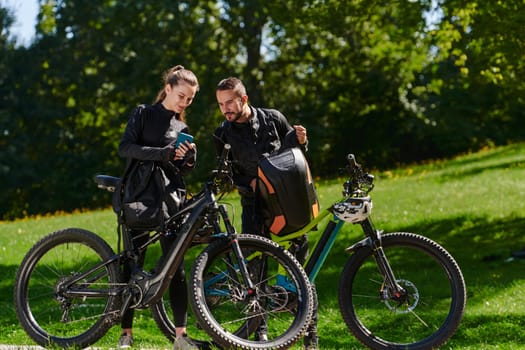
(383,303)
(69,290)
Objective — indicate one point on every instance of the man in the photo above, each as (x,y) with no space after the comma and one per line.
(253,133)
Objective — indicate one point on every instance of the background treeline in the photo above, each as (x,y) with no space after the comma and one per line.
(393,82)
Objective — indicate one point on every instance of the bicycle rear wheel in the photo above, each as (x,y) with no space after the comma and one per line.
(426,317)
(230,311)
(52,309)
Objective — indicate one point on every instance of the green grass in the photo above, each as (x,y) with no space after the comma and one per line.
(473,205)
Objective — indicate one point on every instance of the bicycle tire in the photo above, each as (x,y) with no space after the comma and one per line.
(50,317)
(230,315)
(163,319)
(437,295)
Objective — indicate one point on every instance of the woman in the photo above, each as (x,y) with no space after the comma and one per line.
(150,134)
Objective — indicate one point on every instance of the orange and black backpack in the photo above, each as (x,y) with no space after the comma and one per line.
(287,191)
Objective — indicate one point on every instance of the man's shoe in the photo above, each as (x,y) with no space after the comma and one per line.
(184,343)
(125,341)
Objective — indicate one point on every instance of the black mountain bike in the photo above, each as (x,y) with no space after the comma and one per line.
(397,290)
(69,291)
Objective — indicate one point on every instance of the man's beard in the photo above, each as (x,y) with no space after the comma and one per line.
(235,116)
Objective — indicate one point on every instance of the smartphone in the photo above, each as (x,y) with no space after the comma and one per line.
(182,138)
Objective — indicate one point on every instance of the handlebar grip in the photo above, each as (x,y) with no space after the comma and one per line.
(223,167)
(225,152)
(351,160)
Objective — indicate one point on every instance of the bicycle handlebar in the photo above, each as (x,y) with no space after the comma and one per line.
(360,182)
(351,160)
(223,171)
(223,160)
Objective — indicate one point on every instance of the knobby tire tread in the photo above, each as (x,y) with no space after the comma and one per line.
(42,249)
(443,258)
(212,327)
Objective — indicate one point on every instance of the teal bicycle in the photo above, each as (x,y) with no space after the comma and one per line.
(397,290)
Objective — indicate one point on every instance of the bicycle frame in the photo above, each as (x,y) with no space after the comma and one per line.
(74,276)
(152,286)
(399,295)
(323,245)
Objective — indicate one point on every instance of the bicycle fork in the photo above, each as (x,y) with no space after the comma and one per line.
(237,251)
(390,289)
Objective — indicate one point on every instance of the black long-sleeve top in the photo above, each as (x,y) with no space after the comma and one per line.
(264,133)
(150,134)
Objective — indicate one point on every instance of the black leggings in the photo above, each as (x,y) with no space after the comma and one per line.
(178,291)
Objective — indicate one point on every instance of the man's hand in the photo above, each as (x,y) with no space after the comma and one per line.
(301,134)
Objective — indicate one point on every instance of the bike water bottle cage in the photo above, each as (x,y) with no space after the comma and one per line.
(353,210)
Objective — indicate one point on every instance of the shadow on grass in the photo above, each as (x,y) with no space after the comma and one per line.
(8,318)
(484,330)
(482,249)
(474,241)
(464,167)
(475,170)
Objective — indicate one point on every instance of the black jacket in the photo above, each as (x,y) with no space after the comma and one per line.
(150,134)
(265,133)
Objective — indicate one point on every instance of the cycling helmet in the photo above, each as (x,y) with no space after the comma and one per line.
(353,210)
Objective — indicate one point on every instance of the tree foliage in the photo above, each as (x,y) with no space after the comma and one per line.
(471,93)
(391,82)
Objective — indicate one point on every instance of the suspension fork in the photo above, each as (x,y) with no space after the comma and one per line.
(374,241)
(232,234)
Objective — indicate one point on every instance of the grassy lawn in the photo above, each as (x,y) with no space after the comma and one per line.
(473,205)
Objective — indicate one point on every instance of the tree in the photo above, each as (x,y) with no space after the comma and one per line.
(346,66)
(10,158)
(92,63)
(472,93)
(393,82)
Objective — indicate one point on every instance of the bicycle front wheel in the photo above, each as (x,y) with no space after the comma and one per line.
(424,317)
(61,292)
(280,304)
